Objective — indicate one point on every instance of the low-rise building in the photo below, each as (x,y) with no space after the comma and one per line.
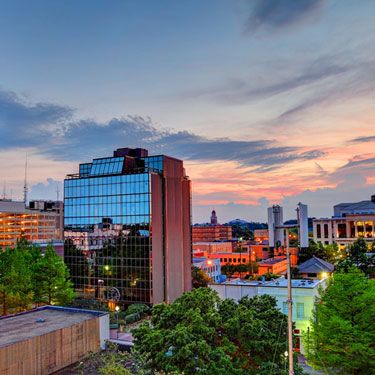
(277,265)
(316,268)
(47,339)
(211,267)
(261,236)
(233,258)
(211,232)
(213,247)
(304,294)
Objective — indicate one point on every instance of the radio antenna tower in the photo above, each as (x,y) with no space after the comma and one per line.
(25,187)
(57,191)
(5,190)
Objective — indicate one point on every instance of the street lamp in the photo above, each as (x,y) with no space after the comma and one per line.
(117,308)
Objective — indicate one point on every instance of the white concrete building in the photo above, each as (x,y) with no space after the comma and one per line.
(210,266)
(304,294)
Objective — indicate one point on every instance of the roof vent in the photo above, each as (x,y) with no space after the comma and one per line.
(40,320)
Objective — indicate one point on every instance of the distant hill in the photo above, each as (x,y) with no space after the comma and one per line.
(238,222)
(247,224)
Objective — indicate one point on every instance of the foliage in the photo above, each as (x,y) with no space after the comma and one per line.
(51,282)
(109,362)
(343,332)
(201,333)
(200,278)
(329,253)
(15,280)
(230,269)
(242,231)
(88,304)
(138,308)
(268,276)
(29,277)
(357,257)
(112,361)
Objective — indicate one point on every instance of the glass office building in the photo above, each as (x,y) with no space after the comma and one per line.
(127,228)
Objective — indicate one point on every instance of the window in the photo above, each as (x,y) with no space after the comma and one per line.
(300,310)
(318,231)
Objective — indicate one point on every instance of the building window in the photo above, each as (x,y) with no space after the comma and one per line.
(341,230)
(300,310)
(318,231)
(325,230)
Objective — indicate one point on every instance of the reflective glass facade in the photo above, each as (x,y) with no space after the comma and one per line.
(108,224)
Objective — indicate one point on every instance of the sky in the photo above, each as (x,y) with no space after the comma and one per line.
(266,101)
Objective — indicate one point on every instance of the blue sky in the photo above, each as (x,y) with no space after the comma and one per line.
(248,92)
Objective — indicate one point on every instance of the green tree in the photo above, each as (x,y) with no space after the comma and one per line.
(15,280)
(342,337)
(51,281)
(199,333)
(200,278)
(357,256)
(330,253)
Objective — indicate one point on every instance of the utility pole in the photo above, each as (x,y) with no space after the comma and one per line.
(290,304)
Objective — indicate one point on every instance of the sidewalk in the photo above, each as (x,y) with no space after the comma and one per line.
(124,338)
(306,368)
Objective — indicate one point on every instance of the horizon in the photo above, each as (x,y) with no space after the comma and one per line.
(265,103)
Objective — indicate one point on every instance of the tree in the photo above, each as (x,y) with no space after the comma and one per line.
(357,256)
(343,332)
(51,281)
(200,278)
(15,280)
(201,333)
(330,253)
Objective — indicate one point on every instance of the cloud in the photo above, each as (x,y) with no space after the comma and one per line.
(240,91)
(27,124)
(364,164)
(272,15)
(51,189)
(53,131)
(371,138)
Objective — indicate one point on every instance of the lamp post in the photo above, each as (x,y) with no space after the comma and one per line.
(117,308)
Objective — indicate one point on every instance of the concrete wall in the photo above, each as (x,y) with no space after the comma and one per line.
(177,225)
(103,330)
(157,257)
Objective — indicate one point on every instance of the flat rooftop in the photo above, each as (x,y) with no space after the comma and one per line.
(23,326)
(271,261)
(281,282)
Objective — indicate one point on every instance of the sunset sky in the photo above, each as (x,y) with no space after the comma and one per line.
(266,101)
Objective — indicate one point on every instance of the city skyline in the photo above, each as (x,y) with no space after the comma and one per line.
(286,116)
